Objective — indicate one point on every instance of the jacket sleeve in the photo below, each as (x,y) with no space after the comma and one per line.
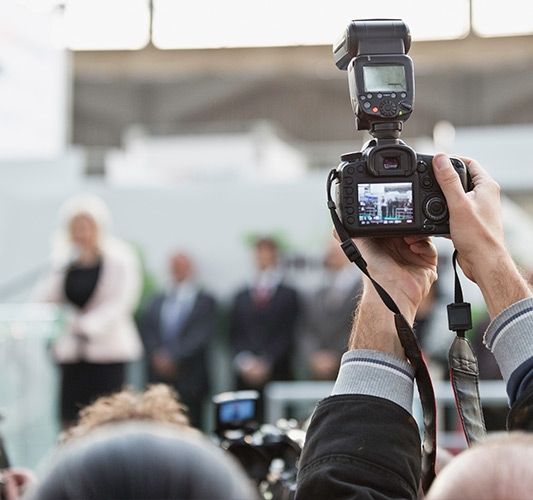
(149,324)
(360,446)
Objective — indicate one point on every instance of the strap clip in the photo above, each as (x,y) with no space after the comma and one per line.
(353,254)
(459,316)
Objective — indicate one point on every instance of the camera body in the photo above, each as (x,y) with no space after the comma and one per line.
(389,189)
(386,188)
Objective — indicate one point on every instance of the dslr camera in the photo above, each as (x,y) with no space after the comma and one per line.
(387,188)
(268,453)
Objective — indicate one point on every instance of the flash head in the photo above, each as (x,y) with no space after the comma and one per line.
(371,36)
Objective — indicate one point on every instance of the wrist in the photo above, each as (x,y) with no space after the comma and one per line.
(407,307)
(500,282)
(374,326)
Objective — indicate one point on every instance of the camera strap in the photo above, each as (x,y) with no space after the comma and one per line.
(407,339)
(464,372)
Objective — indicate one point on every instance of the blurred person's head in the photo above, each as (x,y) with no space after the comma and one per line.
(266,252)
(143,460)
(84,232)
(85,227)
(335,258)
(159,403)
(501,468)
(181,267)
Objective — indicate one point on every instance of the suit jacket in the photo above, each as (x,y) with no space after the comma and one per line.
(324,325)
(103,331)
(360,446)
(191,341)
(266,330)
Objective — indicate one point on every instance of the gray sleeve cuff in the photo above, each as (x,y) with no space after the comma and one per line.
(510,336)
(376,373)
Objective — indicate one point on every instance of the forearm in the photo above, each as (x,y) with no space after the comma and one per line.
(500,282)
(374,326)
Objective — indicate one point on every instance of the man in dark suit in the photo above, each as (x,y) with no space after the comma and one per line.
(328,315)
(176,327)
(262,323)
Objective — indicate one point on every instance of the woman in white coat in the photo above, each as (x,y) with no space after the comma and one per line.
(97,279)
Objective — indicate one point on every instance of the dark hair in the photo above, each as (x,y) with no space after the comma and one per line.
(146,461)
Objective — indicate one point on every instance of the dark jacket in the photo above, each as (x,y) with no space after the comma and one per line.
(190,349)
(266,330)
(367,447)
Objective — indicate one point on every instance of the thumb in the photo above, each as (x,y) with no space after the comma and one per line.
(448,180)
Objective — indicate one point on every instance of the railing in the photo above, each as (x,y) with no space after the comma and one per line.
(280,395)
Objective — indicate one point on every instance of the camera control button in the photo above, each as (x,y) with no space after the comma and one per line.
(348,190)
(348,180)
(388,108)
(350,210)
(428,228)
(360,168)
(351,220)
(380,96)
(369,96)
(362,97)
(435,208)
(403,95)
(422,166)
(427,182)
(393,95)
(366,105)
(350,170)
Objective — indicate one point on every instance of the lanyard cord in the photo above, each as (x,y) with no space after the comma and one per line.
(462,361)
(407,339)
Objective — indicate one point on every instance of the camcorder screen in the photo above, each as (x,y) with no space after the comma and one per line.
(381,78)
(236,411)
(385,203)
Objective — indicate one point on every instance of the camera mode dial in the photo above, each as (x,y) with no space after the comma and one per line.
(435,209)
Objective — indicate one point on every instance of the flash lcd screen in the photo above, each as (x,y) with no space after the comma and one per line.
(381,78)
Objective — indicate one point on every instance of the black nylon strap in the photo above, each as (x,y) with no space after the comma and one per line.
(464,372)
(407,339)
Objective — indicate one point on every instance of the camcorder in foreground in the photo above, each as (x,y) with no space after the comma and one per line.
(387,188)
(268,453)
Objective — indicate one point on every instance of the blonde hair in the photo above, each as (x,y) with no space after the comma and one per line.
(159,403)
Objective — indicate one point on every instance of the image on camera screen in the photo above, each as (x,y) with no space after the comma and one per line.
(384,78)
(236,411)
(385,203)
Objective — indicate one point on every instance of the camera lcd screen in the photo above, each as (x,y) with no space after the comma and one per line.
(381,78)
(385,203)
(236,411)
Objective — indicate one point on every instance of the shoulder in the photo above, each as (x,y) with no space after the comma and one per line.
(204,297)
(120,254)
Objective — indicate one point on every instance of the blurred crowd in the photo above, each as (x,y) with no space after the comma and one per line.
(268,331)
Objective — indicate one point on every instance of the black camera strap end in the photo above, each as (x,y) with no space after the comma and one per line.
(464,372)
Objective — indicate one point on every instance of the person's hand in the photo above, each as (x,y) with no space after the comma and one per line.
(16,481)
(324,364)
(476,230)
(164,365)
(405,267)
(256,371)
(476,227)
